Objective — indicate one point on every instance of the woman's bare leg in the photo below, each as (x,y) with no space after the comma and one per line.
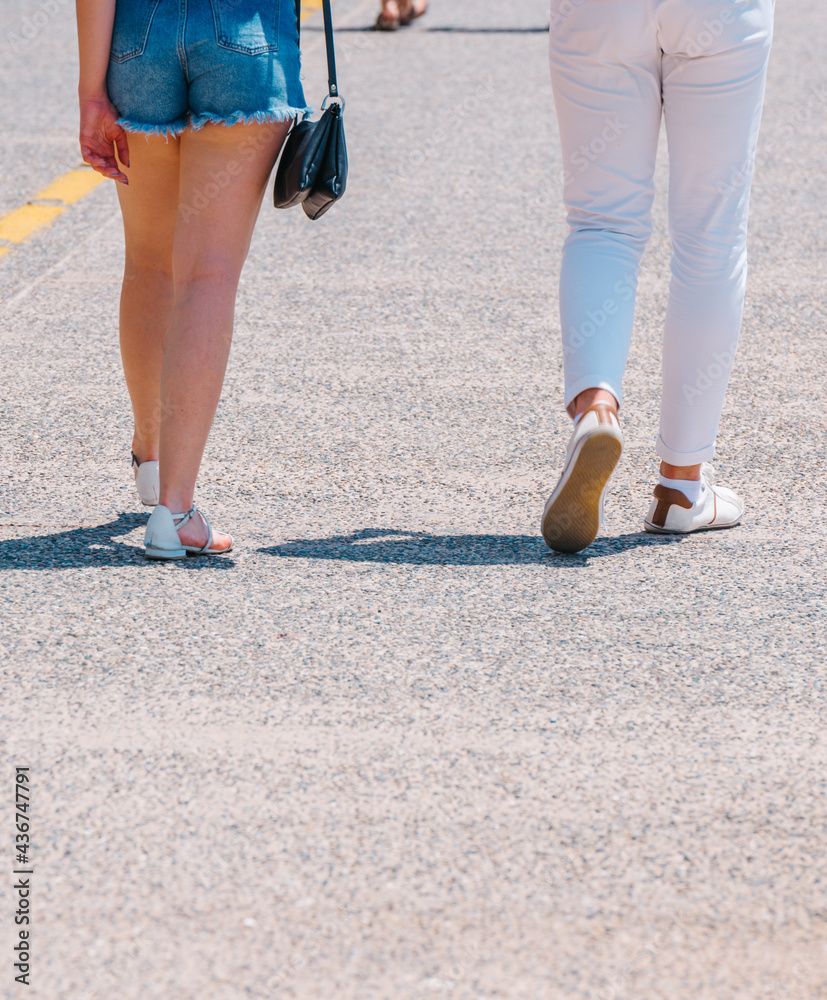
(223,176)
(189,212)
(150,210)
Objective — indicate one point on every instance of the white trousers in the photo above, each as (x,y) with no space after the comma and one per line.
(616,66)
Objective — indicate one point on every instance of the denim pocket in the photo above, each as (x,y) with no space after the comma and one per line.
(133,19)
(250,26)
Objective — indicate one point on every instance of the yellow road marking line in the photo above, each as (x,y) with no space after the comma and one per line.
(28,219)
(309,7)
(71,187)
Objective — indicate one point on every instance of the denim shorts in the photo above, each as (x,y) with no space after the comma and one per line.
(179,63)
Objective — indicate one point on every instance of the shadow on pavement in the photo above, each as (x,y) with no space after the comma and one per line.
(492,31)
(420,548)
(87,547)
(460,31)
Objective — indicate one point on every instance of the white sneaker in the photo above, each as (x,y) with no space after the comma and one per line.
(672,513)
(574,511)
(147,481)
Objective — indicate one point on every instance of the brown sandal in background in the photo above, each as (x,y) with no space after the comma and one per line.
(407,11)
(388,23)
(415,9)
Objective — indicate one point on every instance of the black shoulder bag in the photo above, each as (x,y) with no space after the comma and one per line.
(312,170)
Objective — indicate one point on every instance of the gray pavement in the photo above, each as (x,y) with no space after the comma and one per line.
(394,747)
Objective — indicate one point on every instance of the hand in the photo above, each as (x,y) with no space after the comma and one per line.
(98,132)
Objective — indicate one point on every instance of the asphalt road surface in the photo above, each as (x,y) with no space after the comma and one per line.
(394,747)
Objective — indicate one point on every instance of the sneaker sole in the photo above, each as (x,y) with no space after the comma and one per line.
(655,530)
(571,519)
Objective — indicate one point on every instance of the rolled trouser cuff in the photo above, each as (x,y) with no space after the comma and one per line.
(667,454)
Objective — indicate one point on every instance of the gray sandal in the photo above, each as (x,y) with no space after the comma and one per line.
(161,540)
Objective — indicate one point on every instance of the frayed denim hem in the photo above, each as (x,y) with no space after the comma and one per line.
(170,131)
(247,118)
(195,122)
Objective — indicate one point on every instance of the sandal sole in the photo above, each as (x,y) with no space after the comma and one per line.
(161,555)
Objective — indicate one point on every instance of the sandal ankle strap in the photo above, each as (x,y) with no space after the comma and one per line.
(186,516)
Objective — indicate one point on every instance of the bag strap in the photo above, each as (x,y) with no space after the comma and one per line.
(332,85)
